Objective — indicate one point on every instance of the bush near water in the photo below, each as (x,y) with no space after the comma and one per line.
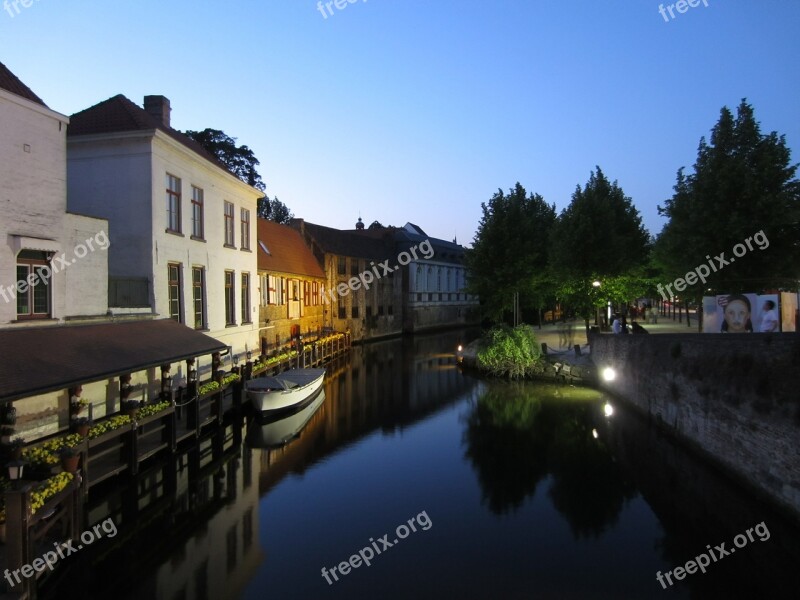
(510,352)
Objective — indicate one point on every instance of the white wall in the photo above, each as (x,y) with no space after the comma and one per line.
(33,204)
(122,177)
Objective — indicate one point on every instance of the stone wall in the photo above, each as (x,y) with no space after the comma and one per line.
(736,398)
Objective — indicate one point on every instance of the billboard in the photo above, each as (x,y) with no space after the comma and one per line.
(741,313)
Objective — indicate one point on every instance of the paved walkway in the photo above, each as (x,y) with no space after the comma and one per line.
(550,333)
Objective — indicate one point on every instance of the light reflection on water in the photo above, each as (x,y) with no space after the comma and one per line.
(533,491)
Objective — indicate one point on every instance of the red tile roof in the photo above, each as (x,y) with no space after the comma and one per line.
(11,83)
(47,359)
(119,114)
(287,251)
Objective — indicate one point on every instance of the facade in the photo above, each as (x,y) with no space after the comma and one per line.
(291,284)
(53,264)
(347,257)
(183,227)
(436,292)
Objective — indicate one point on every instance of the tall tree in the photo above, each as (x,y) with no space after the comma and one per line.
(242,163)
(509,253)
(743,183)
(239,160)
(598,237)
(274,210)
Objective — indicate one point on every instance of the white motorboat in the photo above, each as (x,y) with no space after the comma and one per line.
(274,433)
(284,391)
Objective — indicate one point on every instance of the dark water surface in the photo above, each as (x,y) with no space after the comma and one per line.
(515,491)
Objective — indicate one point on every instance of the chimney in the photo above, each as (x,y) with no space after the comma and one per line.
(158,108)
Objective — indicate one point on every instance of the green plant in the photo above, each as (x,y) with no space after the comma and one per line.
(207,387)
(230,378)
(507,352)
(47,489)
(153,409)
(111,424)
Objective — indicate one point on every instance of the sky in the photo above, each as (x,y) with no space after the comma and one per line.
(412,110)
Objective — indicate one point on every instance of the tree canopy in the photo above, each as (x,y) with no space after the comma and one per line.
(273,209)
(599,237)
(510,249)
(743,183)
(241,162)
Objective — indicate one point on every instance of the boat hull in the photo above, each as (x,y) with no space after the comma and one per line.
(268,400)
(272,432)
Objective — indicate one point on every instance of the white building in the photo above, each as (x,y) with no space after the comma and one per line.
(183,228)
(53,264)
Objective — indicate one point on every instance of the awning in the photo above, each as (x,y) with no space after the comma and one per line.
(38,360)
(21,242)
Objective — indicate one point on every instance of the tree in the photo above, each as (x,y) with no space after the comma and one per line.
(509,253)
(274,210)
(242,163)
(239,160)
(599,237)
(743,183)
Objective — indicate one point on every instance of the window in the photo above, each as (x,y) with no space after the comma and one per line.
(33,287)
(342,267)
(391,309)
(282,291)
(342,312)
(354,267)
(230,298)
(245,238)
(229,224)
(355,312)
(198,297)
(174,287)
(369,311)
(173,204)
(197,213)
(245,297)
(380,310)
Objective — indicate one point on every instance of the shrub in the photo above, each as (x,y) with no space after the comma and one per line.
(507,352)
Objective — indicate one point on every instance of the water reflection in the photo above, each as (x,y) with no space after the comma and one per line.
(527,486)
(518,434)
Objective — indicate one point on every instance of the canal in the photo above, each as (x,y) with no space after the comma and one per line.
(448,486)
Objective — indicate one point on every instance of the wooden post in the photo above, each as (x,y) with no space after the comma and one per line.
(166,382)
(192,412)
(18,551)
(216,361)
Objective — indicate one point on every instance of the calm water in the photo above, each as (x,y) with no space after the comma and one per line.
(515,491)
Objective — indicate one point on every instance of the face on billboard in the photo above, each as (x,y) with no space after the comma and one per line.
(737,314)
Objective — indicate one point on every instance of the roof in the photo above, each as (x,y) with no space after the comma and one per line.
(47,359)
(287,251)
(410,235)
(119,114)
(11,83)
(347,243)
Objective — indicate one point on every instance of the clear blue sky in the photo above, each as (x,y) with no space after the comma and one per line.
(412,110)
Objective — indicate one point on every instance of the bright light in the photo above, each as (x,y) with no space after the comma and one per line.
(596,283)
(460,348)
(608,409)
(594,434)
(609,374)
